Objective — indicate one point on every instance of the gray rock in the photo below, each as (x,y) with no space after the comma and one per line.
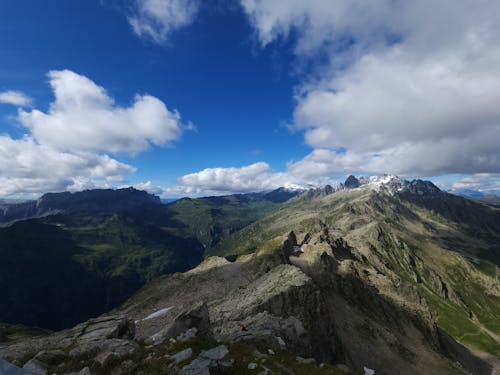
(199,366)
(252,366)
(188,335)
(181,356)
(51,357)
(198,317)
(36,367)
(216,353)
(305,361)
(116,348)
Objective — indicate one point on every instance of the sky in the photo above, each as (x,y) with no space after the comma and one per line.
(191,97)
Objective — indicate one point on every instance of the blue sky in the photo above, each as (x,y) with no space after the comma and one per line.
(243,96)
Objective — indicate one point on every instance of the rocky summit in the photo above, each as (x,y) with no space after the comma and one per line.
(374,276)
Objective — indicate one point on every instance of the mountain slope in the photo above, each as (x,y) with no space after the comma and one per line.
(91,250)
(435,246)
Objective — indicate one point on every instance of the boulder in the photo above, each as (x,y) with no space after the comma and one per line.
(181,356)
(216,353)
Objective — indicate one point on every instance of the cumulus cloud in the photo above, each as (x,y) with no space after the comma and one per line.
(15,98)
(408,87)
(67,147)
(29,167)
(84,117)
(254,177)
(155,20)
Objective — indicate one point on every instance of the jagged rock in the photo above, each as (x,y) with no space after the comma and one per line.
(51,357)
(181,356)
(198,317)
(188,335)
(216,353)
(351,182)
(115,348)
(97,331)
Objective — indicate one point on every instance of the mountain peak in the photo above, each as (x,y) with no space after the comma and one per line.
(351,182)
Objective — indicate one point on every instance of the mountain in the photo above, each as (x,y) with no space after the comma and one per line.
(382,275)
(410,236)
(98,200)
(492,200)
(90,251)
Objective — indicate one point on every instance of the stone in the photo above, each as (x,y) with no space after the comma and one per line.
(181,356)
(188,335)
(197,317)
(199,366)
(36,367)
(305,361)
(216,353)
(115,348)
(252,366)
(271,352)
(51,357)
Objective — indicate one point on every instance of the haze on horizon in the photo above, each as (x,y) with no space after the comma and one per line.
(187,97)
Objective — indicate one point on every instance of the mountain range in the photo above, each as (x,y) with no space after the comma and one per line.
(375,275)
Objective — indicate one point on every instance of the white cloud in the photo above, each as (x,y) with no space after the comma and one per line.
(67,147)
(409,87)
(157,19)
(485,183)
(254,177)
(84,117)
(148,186)
(15,98)
(29,167)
